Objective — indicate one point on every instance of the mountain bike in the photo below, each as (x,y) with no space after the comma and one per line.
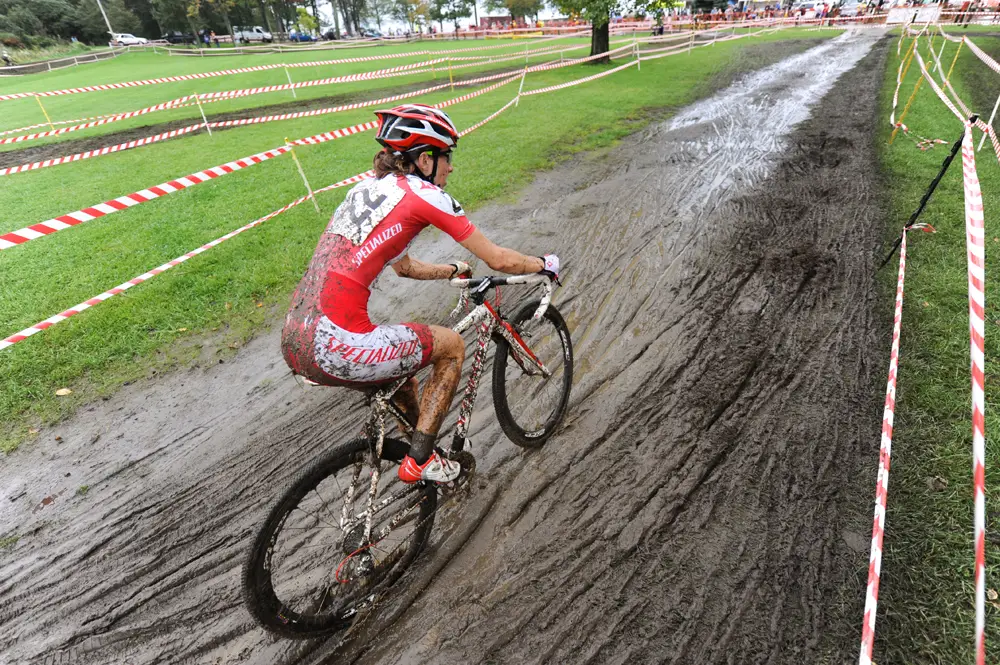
(346,529)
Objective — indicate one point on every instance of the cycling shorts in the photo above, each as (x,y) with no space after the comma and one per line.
(354,359)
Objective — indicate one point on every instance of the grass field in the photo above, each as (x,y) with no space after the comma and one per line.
(232,288)
(926,598)
(138,66)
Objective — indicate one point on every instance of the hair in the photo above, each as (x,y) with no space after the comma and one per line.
(385,163)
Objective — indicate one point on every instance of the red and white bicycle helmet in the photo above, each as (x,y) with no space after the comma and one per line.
(413,127)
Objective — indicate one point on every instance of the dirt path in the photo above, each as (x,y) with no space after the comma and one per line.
(706,502)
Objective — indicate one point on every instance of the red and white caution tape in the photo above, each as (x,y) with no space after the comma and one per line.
(128,145)
(173,103)
(975,233)
(936,88)
(551,88)
(21,236)
(488,118)
(55,161)
(87,304)
(987,60)
(197,76)
(245,70)
(71,219)
(101,297)
(403,70)
(882,484)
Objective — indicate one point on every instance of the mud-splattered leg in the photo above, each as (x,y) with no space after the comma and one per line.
(406,399)
(446,357)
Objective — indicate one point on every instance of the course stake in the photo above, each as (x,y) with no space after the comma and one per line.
(203,118)
(45,113)
(954,60)
(302,173)
(289,77)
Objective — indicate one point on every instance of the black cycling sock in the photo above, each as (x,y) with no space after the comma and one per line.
(421,446)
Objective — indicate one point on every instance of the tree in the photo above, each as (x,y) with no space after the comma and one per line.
(91,25)
(223,7)
(516,8)
(598,12)
(176,14)
(378,10)
(143,11)
(413,12)
(306,22)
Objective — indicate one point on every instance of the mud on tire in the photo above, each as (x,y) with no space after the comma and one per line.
(530,409)
(332,603)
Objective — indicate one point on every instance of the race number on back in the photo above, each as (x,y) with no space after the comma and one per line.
(367,204)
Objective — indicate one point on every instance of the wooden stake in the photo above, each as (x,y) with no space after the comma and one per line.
(954,60)
(895,130)
(45,113)
(302,173)
(203,118)
(289,77)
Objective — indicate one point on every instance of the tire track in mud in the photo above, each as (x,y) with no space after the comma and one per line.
(720,443)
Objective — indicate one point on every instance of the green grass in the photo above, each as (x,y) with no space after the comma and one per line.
(234,288)
(26,56)
(137,66)
(926,600)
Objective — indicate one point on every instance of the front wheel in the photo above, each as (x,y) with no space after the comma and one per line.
(531,402)
(310,569)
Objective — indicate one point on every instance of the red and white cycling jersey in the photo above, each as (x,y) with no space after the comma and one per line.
(371,229)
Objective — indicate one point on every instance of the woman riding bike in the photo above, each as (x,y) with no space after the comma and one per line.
(328,337)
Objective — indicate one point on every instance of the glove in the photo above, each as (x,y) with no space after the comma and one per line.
(461,269)
(551,262)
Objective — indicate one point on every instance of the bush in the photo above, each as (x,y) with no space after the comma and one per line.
(11,40)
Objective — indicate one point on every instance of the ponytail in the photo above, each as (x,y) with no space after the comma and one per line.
(386,162)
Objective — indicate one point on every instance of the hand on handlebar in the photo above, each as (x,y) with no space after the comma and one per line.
(462,269)
(551,266)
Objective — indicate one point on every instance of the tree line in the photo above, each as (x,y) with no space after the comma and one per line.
(34,22)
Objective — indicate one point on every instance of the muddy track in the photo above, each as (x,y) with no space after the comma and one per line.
(30,154)
(707,500)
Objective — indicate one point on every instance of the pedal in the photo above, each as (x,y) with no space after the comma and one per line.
(468,464)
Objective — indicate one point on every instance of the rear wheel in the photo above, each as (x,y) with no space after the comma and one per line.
(310,569)
(530,405)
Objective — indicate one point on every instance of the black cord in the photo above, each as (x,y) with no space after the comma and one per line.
(927,195)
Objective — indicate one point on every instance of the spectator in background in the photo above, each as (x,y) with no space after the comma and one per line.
(215,40)
(7,61)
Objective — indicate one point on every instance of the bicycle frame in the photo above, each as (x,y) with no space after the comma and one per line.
(489,322)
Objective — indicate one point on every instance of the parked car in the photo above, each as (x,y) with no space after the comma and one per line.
(252,34)
(125,39)
(177,37)
(294,36)
(371,34)
(330,34)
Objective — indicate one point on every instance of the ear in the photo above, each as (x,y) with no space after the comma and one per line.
(425,163)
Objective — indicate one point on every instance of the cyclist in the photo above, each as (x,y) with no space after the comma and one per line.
(328,337)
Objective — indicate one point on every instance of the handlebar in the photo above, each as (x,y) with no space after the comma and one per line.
(483,284)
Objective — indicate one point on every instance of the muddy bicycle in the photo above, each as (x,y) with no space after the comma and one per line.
(347,528)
